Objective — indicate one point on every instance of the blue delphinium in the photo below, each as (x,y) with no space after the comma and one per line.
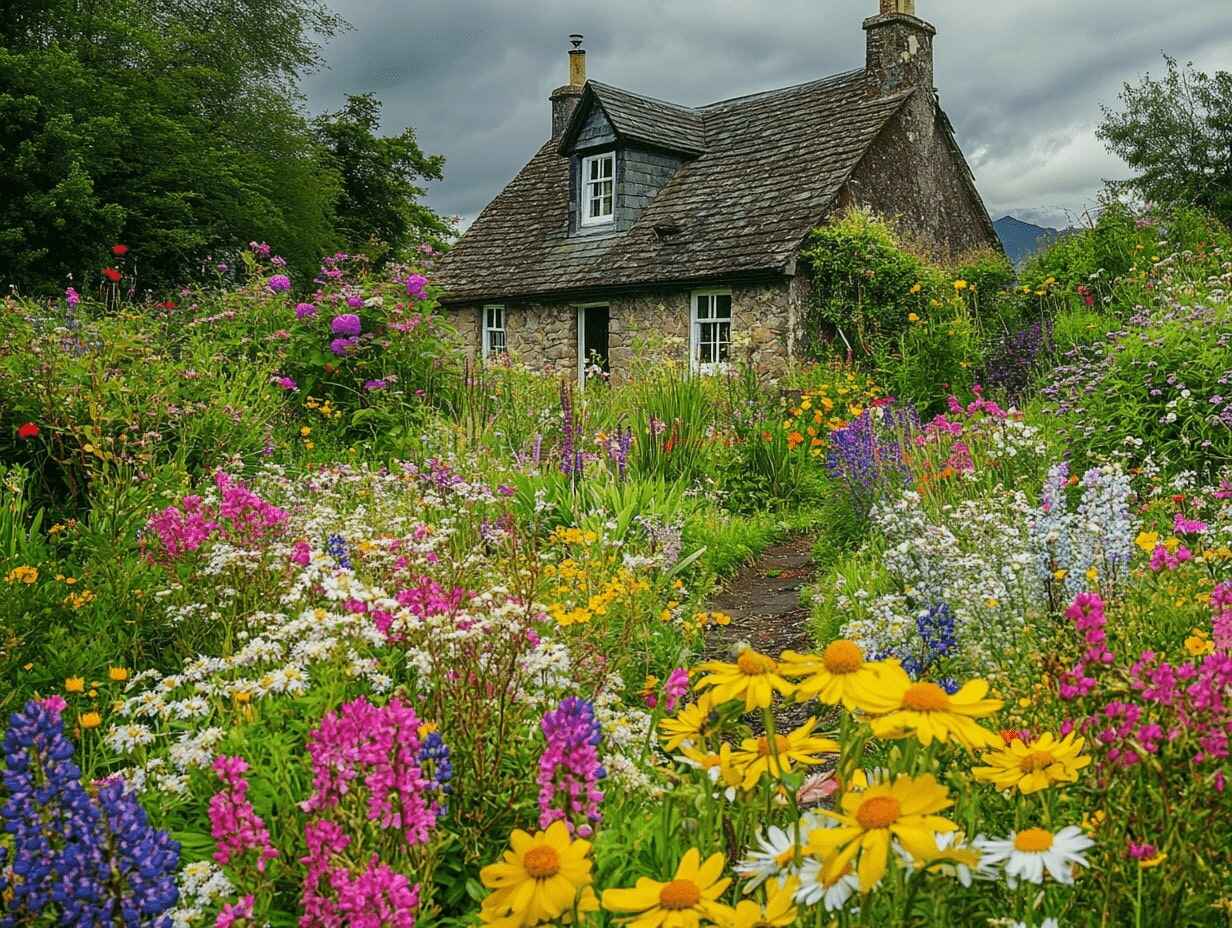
(337,547)
(435,764)
(91,861)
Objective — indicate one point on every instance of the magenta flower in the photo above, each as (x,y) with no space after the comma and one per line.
(72,296)
(286,383)
(417,287)
(279,283)
(343,346)
(233,912)
(305,311)
(234,824)
(569,768)
(676,688)
(371,385)
(346,325)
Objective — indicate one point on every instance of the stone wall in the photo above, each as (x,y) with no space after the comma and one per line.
(648,327)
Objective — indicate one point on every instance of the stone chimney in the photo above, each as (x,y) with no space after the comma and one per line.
(900,50)
(565,99)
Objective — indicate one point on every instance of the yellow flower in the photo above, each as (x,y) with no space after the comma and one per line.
(929,712)
(913,317)
(26,575)
(1198,644)
(89,720)
(1147,541)
(538,880)
(758,756)
(960,285)
(692,723)
(1035,766)
(754,677)
(305,431)
(1153,861)
(688,900)
(869,819)
(117,674)
(75,685)
(778,912)
(838,675)
(916,287)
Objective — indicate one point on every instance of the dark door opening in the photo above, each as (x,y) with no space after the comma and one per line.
(594,339)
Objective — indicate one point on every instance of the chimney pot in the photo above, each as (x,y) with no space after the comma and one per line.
(565,99)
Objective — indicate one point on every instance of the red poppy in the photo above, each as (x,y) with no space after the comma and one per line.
(119,250)
(111,274)
(167,304)
(29,430)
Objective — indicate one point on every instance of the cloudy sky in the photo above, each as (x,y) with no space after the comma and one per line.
(1022,80)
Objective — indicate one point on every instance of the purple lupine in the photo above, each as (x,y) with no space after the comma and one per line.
(92,862)
(868,451)
(569,768)
(618,447)
(571,461)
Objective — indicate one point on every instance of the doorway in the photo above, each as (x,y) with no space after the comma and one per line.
(593,329)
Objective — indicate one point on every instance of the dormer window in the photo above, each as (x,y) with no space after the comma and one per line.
(598,189)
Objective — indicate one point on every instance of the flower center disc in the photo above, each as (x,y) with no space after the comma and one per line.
(680,894)
(753,664)
(842,656)
(878,812)
(1036,760)
(781,745)
(1033,840)
(541,862)
(926,697)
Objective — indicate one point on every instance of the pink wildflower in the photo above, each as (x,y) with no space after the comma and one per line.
(234,824)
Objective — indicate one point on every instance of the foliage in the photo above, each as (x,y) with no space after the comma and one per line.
(379,200)
(1174,133)
(107,140)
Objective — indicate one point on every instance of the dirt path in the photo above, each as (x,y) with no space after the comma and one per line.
(763,600)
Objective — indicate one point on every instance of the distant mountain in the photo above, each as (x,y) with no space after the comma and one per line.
(1022,239)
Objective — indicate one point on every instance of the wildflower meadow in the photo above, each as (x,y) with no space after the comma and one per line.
(308,618)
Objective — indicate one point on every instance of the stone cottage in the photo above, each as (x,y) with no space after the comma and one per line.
(643,227)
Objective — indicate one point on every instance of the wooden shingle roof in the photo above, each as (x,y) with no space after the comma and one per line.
(772,165)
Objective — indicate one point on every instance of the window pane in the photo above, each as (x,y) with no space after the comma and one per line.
(722,306)
(724,340)
(703,307)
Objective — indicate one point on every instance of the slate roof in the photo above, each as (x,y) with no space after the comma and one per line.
(772,166)
(637,118)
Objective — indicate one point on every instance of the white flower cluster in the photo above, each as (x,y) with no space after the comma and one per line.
(975,558)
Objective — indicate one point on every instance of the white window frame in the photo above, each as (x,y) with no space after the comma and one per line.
(584,189)
(695,330)
(494,323)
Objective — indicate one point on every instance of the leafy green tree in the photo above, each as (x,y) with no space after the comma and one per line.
(379,205)
(1176,133)
(172,126)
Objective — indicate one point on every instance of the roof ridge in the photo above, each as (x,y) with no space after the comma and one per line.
(644,96)
(818,81)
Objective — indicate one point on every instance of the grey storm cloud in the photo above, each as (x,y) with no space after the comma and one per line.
(1022,81)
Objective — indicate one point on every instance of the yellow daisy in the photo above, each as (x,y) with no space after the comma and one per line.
(758,757)
(929,712)
(538,880)
(778,912)
(754,677)
(693,723)
(840,674)
(688,900)
(869,819)
(1035,766)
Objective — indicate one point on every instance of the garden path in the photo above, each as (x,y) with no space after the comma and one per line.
(763,600)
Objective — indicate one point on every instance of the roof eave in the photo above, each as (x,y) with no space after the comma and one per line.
(572,294)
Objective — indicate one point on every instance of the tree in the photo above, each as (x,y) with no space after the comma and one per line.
(381,176)
(1176,133)
(172,126)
